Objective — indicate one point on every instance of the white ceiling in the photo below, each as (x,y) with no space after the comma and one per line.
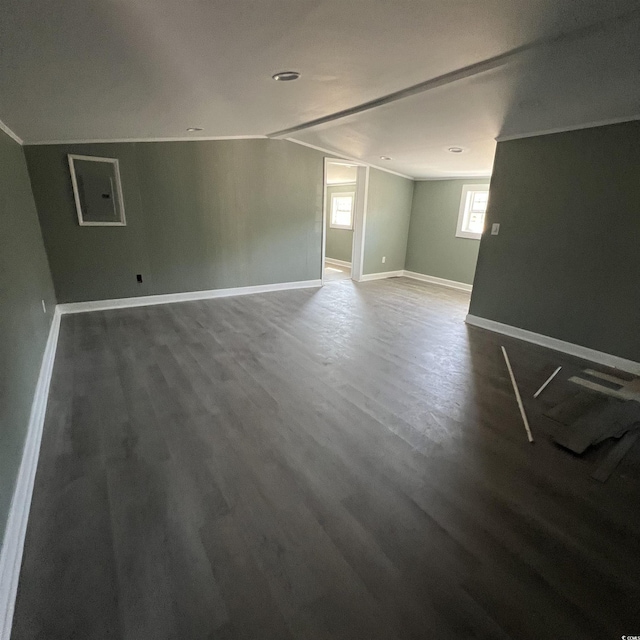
(141,69)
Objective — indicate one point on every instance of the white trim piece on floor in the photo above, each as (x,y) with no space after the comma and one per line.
(451,284)
(569,348)
(145,301)
(16,529)
(338,263)
(13,136)
(381,276)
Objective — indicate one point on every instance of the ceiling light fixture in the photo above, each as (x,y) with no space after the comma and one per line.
(455,149)
(385,158)
(192,129)
(286,76)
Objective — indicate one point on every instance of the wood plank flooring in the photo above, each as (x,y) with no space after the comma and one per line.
(342,463)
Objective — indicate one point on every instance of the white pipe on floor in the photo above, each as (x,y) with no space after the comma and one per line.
(517,392)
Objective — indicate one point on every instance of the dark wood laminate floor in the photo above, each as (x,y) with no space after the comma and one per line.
(339,463)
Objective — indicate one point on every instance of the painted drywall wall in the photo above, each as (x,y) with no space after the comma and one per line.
(433,248)
(339,241)
(341,172)
(387,222)
(200,215)
(566,261)
(24,327)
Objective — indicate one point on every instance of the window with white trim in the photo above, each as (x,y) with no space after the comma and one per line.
(342,210)
(473,208)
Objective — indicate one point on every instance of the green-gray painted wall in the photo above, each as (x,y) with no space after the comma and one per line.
(24,282)
(387,223)
(339,241)
(566,261)
(200,215)
(433,248)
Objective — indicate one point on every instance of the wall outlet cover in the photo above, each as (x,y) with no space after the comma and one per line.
(384,259)
(495,228)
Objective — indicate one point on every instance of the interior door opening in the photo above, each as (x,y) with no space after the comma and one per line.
(343,220)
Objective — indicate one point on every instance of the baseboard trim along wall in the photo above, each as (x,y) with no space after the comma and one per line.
(16,529)
(576,350)
(338,263)
(145,301)
(381,276)
(451,284)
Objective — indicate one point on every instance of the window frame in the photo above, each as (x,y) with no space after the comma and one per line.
(343,194)
(462,213)
(117,187)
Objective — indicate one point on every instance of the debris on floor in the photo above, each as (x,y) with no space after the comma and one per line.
(606,409)
(517,392)
(546,382)
(627,389)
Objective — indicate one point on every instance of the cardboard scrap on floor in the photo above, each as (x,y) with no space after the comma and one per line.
(616,454)
(601,412)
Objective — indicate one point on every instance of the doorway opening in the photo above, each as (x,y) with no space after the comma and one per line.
(344,207)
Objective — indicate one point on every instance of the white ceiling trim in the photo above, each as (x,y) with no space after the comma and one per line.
(341,156)
(438,178)
(11,134)
(120,140)
(464,73)
(577,127)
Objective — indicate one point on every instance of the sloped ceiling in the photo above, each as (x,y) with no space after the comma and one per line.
(149,69)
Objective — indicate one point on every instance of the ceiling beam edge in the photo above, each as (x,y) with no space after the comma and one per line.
(10,133)
(469,71)
(342,156)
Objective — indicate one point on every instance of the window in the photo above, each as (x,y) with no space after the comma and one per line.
(473,207)
(342,210)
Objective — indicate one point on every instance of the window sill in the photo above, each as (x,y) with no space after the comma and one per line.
(469,235)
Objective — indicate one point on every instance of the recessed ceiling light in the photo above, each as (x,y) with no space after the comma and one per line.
(456,149)
(286,76)
(385,158)
(194,129)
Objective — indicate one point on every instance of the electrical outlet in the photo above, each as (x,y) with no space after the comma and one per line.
(384,259)
(139,277)
(495,228)
(44,307)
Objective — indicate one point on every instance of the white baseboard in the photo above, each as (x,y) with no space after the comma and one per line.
(144,301)
(451,284)
(338,263)
(16,529)
(576,350)
(381,276)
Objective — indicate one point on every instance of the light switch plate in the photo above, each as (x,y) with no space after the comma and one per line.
(495,228)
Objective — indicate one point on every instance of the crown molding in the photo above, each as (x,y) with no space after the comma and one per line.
(10,133)
(124,140)
(453,178)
